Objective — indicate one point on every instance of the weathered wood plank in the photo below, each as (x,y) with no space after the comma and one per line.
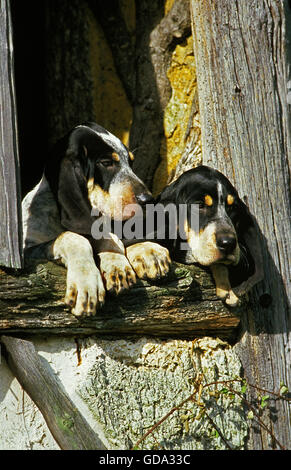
(68,427)
(10,214)
(241,50)
(183,305)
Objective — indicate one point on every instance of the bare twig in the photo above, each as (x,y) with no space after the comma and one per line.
(218,430)
(176,408)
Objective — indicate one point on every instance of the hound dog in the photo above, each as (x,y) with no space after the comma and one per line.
(225,237)
(89,169)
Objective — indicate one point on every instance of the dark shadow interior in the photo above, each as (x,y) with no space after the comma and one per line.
(28,21)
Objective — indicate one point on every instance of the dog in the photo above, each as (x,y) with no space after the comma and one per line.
(87,175)
(223,236)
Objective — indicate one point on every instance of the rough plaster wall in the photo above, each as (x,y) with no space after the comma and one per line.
(132,385)
(124,387)
(22,426)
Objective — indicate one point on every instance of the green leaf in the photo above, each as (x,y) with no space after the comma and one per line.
(214,433)
(264,401)
(283,389)
(244,388)
(250,415)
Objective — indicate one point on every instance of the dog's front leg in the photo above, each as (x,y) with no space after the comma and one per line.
(85,290)
(223,287)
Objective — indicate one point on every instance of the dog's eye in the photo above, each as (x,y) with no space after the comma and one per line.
(107,163)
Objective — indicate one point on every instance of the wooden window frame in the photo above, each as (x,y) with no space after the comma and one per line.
(11,251)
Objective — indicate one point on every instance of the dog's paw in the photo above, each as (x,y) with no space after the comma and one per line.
(116,271)
(228,296)
(223,287)
(149,260)
(85,291)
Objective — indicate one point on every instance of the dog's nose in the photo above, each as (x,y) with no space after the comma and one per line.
(226,243)
(144,198)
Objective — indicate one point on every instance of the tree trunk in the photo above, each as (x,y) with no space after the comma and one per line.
(243,67)
(142,64)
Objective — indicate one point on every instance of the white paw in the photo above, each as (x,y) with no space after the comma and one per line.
(228,295)
(85,290)
(116,271)
(149,260)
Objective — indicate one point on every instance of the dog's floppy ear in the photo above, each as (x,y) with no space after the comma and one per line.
(249,270)
(169,193)
(65,171)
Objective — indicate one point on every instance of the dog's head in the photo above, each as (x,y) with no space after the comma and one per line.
(216,219)
(91,168)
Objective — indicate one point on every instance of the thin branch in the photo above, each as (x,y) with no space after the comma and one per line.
(158,423)
(262,424)
(225,382)
(218,430)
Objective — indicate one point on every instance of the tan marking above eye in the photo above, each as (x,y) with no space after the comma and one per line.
(115,156)
(230,199)
(208,200)
(131,156)
(90,185)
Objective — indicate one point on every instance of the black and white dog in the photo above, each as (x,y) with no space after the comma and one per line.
(225,238)
(89,169)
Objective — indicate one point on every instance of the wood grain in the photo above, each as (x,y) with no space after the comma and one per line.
(184,305)
(243,68)
(10,196)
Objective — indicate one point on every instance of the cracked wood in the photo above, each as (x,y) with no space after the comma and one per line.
(184,305)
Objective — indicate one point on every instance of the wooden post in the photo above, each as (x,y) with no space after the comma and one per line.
(241,52)
(70,430)
(10,198)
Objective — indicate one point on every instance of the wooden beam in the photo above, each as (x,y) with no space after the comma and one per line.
(10,214)
(68,427)
(183,305)
(243,57)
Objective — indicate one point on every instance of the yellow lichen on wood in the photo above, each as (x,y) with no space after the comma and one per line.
(182,76)
(168,5)
(111,107)
(113,110)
